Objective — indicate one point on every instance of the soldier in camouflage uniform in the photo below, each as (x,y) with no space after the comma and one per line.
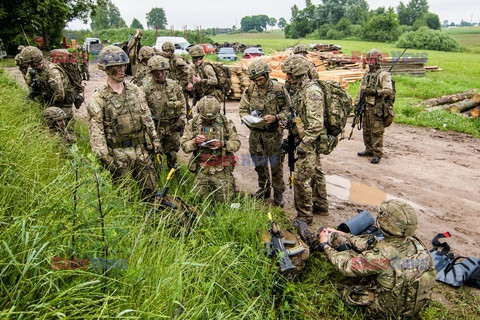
(268,99)
(52,81)
(20,63)
(180,71)
(132,51)
(84,64)
(312,73)
(398,270)
(55,119)
(203,76)
(144,55)
(213,140)
(376,88)
(167,104)
(119,122)
(310,191)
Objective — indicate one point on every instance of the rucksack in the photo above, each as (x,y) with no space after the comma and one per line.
(67,62)
(224,77)
(338,105)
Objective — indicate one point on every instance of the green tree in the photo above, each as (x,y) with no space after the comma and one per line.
(258,22)
(282,23)
(381,26)
(136,24)
(433,21)
(156,17)
(414,10)
(272,22)
(107,16)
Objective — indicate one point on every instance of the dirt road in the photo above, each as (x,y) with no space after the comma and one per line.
(437,172)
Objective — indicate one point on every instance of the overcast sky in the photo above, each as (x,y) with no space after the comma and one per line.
(209,13)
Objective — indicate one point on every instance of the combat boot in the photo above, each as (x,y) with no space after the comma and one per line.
(319,211)
(278,199)
(375,160)
(261,193)
(311,239)
(365,154)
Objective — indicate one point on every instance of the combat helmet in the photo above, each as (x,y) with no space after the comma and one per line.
(300,48)
(295,64)
(196,51)
(111,56)
(53,114)
(208,107)
(168,46)
(31,55)
(397,219)
(258,68)
(158,63)
(20,47)
(145,52)
(375,53)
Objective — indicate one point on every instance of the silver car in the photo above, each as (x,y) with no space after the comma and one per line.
(226,53)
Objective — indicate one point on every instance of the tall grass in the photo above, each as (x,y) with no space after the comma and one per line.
(59,202)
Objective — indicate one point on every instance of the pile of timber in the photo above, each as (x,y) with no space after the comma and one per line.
(322,47)
(406,65)
(467,103)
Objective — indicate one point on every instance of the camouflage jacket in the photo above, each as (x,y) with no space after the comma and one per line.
(165,100)
(312,71)
(52,82)
(142,72)
(209,80)
(180,71)
(379,80)
(394,264)
(309,103)
(211,160)
(114,118)
(273,100)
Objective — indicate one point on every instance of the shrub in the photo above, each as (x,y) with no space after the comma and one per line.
(253,31)
(334,34)
(381,27)
(426,38)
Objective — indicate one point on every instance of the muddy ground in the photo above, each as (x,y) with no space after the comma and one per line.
(437,172)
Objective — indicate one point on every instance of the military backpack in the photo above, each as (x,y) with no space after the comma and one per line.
(68,64)
(224,77)
(338,105)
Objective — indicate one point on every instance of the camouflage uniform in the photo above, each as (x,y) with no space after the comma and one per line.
(213,167)
(207,85)
(400,270)
(312,70)
(309,177)
(55,119)
(20,63)
(167,104)
(119,125)
(376,86)
(266,144)
(143,71)
(84,64)
(180,70)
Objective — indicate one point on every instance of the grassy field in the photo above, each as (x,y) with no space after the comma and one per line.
(460,73)
(58,202)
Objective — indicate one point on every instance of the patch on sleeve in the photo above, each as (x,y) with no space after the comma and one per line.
(315,97)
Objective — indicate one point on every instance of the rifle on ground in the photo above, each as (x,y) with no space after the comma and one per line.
(160,196)
(276,247)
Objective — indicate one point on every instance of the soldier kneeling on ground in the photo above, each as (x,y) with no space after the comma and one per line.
(212,139)
(56,119)
(400,269)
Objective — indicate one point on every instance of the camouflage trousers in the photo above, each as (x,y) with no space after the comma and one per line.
(170,141)
(135,160)
(373,130)
(220,185)
(266,151)
(309,186)
(85,72)
(69,112)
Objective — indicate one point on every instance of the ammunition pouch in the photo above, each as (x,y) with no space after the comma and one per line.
(388,113)
(326,143)
(126,124)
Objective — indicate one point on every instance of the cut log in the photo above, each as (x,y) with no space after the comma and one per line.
(449,99)
(465,105)
(474,113)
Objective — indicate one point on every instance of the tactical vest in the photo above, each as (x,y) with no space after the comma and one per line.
(270,103)
(212,161)
(203,88)
(407,285)
(162,100)
(176,72)
(122,117)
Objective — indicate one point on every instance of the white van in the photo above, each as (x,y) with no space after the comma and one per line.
(180,44)
(92,45)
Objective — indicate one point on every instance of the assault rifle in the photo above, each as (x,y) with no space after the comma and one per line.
(291,143)
(276,247)
(360,109)
(160,196)
(34,86)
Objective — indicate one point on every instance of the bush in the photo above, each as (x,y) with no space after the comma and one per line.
(426,38)
(253,31)
(381,27)
(334,34)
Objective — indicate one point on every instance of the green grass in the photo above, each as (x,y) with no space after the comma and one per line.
(461,70)
(215,271)
(7,62)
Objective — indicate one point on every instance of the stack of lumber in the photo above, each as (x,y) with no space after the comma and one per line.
(240,80)
(333,60)
(406,65)
(433,68)
(322,47)
(467,103)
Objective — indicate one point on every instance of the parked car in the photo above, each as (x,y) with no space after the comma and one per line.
(208,48)
(180,43)
(226,53)
(252,53)
(92,45)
